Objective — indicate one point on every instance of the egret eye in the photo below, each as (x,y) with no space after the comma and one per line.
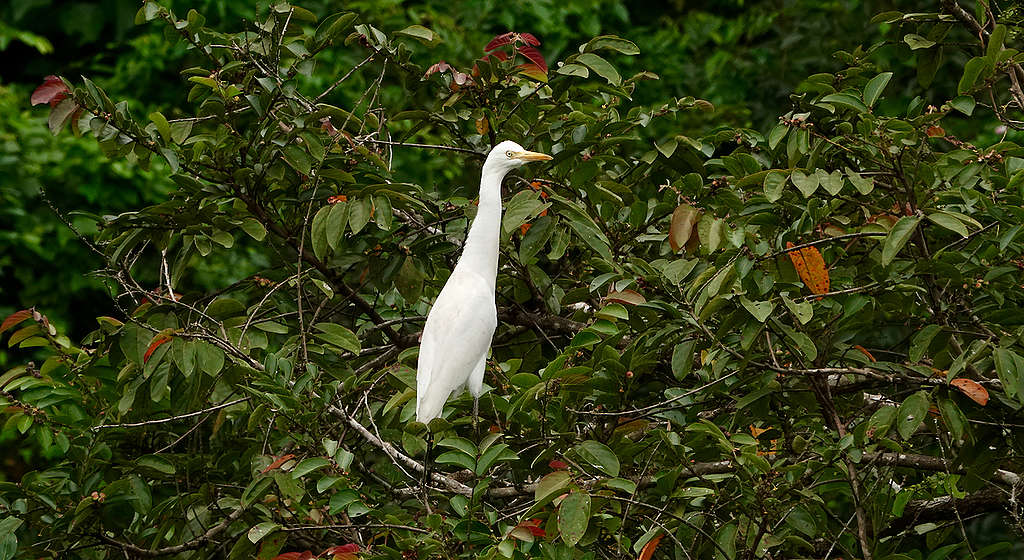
(509,154)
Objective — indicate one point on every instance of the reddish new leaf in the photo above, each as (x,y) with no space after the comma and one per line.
(500,55)
(811,267)
(277,463)
(529,39)
(157,341)
(52,91)
(534,56)
(972,389)
(342,552)
(558,465)
(628,297)
(648,550)
(15,318)
(500,41)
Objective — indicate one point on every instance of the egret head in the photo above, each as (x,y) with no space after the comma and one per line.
(508,155)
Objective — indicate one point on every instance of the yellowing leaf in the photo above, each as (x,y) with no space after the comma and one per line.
(811,267)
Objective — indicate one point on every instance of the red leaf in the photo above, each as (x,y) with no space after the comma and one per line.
(934,131)
(648,550)
(306,555)
(972,389)
(157,341)
(336,199)
(534,56)
(277,463)
(629,297)
(15,318)
(52,91)
(558,465)
(529,39)
(500,41)
(342,552)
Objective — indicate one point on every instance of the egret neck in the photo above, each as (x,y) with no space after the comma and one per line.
(480,253)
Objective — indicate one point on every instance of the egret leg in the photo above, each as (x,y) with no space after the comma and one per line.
(426,471)
(476,417)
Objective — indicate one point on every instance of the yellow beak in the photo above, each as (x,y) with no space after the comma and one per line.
(531,156)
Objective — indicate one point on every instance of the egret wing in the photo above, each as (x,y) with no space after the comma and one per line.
(456,336)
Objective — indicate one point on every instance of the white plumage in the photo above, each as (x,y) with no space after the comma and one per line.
(459,327)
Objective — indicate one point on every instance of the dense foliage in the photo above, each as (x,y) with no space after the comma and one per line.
(801,341)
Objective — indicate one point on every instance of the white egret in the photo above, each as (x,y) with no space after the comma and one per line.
(459,327)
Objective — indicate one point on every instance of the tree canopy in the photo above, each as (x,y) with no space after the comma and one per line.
(718,338)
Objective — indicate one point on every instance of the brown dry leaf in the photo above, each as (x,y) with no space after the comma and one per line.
(684,225)
(628,297)
(482,125)
(972,389)
(811,267)
(648,550)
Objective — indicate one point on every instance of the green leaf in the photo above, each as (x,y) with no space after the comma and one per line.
(874,88)
(761,310)
(318,232)
(995,42)
(805,183)
(334,226)
(262,530)
(802,521)
(911,414)
(612,42)
(573,516)
(1006,369)
(919,344)
(949,222)
(898,237)
(358,214)
(682,358)
(421,34)
(409,281)
(847,100)
(600,456)
(601,66)
(963,103)
(881,421)
(162,126)
(254,228)
(309,465)
(916,41)
(774,183)
(8,526)
(333,333)
(862,184)
(972,70)
(209,357)
(548,486)
(803,311)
